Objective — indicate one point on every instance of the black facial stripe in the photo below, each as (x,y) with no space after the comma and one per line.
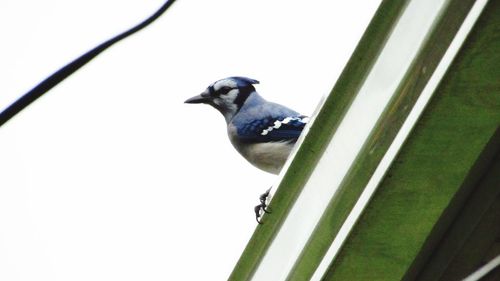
(243,95)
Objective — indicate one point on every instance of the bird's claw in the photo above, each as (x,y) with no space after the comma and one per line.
(262,207)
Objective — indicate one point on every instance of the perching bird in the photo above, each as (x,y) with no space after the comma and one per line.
(263,132)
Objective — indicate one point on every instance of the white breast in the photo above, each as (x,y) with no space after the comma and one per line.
(269,156)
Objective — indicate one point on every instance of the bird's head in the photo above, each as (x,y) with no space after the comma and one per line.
(226,95)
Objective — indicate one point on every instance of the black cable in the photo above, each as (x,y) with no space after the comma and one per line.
(73,66)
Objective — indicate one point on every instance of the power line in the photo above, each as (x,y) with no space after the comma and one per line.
(73,66)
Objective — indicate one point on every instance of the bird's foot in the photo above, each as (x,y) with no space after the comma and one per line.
(262,207)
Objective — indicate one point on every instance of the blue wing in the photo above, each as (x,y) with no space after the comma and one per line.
(271,129)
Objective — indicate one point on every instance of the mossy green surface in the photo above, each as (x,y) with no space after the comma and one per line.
(381,137)
(455,127)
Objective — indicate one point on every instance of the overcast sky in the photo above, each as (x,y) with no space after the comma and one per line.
(110,176)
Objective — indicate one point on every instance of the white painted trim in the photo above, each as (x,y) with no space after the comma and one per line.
(485,269)
(397,143)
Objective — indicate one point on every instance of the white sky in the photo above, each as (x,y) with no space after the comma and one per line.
(110,176)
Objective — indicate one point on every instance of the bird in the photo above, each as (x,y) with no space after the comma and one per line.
(263,132)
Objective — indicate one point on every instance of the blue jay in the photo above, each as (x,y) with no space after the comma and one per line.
(263,132)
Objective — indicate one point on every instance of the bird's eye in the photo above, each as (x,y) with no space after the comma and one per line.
(224,90)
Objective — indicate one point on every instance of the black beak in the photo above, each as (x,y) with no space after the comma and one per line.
(198,99)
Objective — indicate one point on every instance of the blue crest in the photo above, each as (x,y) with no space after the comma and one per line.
(244,81)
